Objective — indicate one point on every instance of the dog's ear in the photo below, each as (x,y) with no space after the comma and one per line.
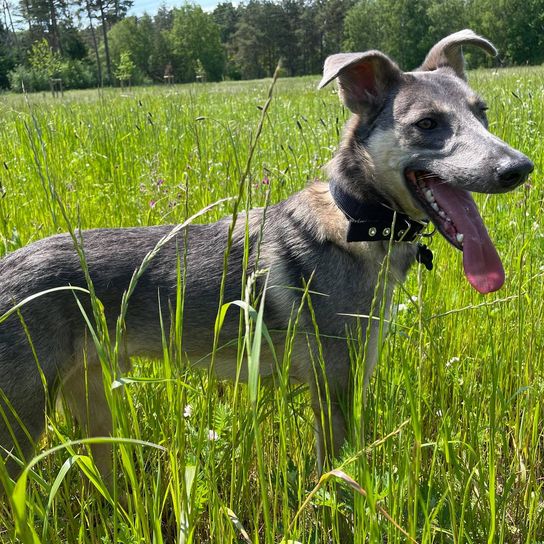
(363,78)
(448,52)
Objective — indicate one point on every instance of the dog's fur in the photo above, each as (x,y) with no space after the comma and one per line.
(303,238)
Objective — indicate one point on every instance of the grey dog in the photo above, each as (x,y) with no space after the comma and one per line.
(415,146)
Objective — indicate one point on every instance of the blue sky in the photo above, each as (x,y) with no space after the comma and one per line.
(151,6)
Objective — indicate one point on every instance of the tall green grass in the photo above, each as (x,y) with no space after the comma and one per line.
(452,429)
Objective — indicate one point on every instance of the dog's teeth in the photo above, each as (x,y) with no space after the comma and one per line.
(429,195)
(434,206)
(459,237)
(442,214)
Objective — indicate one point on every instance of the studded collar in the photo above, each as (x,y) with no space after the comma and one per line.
(373,221)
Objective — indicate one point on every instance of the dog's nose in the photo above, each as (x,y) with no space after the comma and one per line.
(513,173)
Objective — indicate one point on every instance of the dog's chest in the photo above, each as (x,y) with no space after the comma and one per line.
(339,286)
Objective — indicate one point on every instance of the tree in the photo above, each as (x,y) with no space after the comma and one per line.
(125,68)
(446,17)
(7,56)
(516,26)
(195,36)
(310,38)
(72,43)
(89,13)
(226,17)
(396,27)
(44,59)
(164,19)
(43,18)
(108,12)
(248,40)
(330,21)
(290,44)
(261,38)
(365,27)
(133,36)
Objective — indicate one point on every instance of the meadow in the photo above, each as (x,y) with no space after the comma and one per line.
(450,446)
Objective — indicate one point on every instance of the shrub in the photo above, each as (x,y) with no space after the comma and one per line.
(32,79)
(75,74)
(78,74)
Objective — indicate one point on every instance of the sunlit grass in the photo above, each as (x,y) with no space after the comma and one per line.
(456,396)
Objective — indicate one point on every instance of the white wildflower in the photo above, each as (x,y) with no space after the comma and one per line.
(187,411)
(212,435)
(451,361)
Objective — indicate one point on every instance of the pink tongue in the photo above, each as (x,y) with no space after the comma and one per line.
(482,264)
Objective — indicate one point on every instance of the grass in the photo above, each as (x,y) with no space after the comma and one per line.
(452,438)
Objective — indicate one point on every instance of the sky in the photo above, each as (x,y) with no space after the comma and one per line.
(151,6)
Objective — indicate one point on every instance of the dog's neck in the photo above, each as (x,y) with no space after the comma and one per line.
(372,220)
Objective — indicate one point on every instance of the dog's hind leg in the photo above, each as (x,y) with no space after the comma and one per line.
(22,421)
(24,386)
(83,390)
(84,393)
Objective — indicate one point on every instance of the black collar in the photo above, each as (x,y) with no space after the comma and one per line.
(371,221)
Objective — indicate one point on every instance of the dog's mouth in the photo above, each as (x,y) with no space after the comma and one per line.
(456,216)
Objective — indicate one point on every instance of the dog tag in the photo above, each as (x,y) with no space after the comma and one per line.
(424,256)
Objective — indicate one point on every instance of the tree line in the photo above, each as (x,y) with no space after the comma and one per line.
(86,43)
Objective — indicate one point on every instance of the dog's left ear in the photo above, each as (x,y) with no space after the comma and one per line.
(363,78)
(448,52)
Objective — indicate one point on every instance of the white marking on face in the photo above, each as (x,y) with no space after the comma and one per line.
(389,161)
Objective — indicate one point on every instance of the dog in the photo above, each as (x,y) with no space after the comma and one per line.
(415,147)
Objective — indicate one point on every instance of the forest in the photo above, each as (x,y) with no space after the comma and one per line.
(89,43)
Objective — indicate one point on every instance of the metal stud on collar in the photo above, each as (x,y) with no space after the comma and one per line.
(372,231)
(386,231)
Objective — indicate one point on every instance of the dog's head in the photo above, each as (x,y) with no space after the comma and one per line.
(424,137)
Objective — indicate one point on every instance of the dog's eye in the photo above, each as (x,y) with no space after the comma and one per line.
(426,124)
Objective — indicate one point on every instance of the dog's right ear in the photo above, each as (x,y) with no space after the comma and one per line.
(363,78)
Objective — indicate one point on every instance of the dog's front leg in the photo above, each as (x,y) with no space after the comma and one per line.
(330,428)
(331,392)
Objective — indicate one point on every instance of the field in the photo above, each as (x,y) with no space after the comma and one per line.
(451,446)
